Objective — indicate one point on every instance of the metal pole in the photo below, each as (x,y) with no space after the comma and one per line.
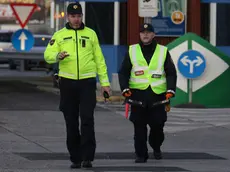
(57,19)
(52,6)
(148,20)
(66,5)
(213,19)
(116,23)
(83,10)
(190,90)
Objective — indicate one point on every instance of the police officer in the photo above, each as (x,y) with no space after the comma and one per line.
(147,75)
(76,48)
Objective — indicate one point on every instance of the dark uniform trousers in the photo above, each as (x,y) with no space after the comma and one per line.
(154,117)
(78,98)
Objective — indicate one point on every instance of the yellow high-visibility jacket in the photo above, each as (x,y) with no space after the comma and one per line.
(85,58)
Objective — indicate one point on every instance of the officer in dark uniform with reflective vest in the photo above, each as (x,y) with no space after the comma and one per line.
(77,51)
(148,75)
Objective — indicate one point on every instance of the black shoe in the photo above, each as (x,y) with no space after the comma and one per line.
(140,160)
(157,154)
(87,164)
(75,165)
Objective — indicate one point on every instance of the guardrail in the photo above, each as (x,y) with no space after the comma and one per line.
(22,55)
(14,55)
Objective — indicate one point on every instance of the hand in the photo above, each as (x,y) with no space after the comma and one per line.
(169,95)
(56,77)
(126,92)
(105,89)
(62,55)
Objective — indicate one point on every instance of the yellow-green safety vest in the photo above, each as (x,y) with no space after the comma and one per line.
(144,75)
(85,58)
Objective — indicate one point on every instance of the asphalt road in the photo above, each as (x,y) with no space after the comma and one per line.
(32,136)
(17,95)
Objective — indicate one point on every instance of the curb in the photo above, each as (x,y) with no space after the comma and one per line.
(111,99)
(99,98)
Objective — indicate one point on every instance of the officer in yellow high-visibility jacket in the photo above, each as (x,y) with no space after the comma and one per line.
(76,48)
(147,75)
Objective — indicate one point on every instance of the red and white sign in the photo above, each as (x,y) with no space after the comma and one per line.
(23,12)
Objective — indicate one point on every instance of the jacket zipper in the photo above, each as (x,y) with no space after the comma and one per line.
(77,55)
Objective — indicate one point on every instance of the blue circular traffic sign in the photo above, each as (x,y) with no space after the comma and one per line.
(191,64)
(23,40)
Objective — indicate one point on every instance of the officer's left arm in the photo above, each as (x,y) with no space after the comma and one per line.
(171,74)
(52,50)
(100,62)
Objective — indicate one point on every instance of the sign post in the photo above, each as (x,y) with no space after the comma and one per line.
(191,65)
(23,12)
(148,9)
(23,39)
(209,71)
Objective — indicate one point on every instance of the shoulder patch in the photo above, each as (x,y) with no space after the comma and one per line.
(52,41)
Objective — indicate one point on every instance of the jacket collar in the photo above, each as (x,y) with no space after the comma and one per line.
(153,44)
(67,25)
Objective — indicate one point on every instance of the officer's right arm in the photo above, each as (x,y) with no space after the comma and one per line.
(124,72)
(52,50)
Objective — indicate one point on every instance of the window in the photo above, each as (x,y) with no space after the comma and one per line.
(100,17)
(223,25)
(205,19)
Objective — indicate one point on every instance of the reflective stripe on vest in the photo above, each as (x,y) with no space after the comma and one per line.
(142,74)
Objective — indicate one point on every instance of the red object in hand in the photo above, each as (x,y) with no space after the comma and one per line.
(167,108)
(126,110)
(168,96)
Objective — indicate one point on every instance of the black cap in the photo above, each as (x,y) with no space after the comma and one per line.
(74,8)
(146,27)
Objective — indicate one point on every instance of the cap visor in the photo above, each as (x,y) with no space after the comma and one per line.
(74,13)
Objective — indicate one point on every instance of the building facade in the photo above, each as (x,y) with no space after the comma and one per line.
(117,22)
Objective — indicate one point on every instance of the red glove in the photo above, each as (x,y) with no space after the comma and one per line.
(169,95)
(126,92)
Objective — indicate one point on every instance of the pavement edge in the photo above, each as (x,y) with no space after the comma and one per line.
(113,98)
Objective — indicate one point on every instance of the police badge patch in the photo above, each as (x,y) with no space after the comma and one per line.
(52,41)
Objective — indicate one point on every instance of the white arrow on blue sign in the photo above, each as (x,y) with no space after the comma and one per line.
(23,40)
(191,64)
